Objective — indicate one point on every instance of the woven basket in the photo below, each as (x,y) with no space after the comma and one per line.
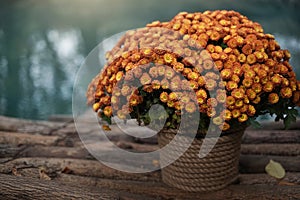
(192,173)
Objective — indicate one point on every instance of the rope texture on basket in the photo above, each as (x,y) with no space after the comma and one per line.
(191,173)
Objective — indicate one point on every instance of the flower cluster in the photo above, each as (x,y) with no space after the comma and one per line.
(218,63)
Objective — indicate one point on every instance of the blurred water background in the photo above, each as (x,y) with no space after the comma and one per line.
(43,42)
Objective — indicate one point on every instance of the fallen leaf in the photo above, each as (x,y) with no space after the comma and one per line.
(124,145)
(286,183)
(15,171)
(275,169)
(106,128)
(155,163)
(67,170)
(43,174)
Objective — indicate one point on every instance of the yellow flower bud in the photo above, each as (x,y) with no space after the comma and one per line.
(96,106)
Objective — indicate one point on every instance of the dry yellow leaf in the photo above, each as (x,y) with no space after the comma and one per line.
(275,169)
(15,172)
(106,128)
(286,183)
(155,163)
(43,175)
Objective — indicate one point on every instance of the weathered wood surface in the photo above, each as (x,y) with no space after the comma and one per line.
(71,187)
(46,159)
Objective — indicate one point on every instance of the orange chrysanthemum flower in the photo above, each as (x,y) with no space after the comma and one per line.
(251,94)
(257,87)
(212,102)
(243,118)
(236,113)
(145,79)
(190,107)
(286,92)
(222,56)
(168,58)
(273,98)
(161,70)
(218,121)
(107,111)
(119,75)
(232,43)
(208,64)
(210,84)
(230,101)
(155,84)
(211,112)
(226,74)
(247,82)
(193,76)
(247,49)
(96,106)
(164,97)
(231,85)
(242,58)
(178,67)
(225,127)
(201,93)
(238,93)
(221,97)
(165,84)
(251,110)
(268,87)
(134,100)
(153,71)
(121,114)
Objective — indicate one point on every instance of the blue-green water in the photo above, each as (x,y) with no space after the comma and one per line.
(43,42)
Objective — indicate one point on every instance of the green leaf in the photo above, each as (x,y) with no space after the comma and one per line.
(254,123)
(290,118)
(155,100)
(107,119)
(223,45)
(275,169)
(294,111)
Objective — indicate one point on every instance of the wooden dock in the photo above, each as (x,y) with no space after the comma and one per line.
(47,160)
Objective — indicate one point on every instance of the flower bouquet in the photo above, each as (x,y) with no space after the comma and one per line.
(215,71)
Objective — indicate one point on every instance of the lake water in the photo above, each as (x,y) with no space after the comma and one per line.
(43,42)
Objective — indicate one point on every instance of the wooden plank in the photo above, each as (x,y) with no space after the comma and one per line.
(291,178)
(83,167)
(271,136)
(160,190)
(55,128)
(60,118)
(271,149)
(28,126)
(18,151)
(244,179)
(55,152)
(80,167)
(76,187)
(257,163)
(13,187)
(250,137)
(8,150)
(14,138)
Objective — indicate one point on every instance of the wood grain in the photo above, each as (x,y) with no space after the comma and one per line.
(28,147)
